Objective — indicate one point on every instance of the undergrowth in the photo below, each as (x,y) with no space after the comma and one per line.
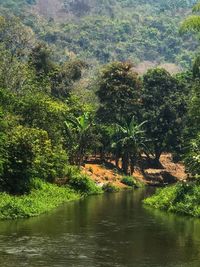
(131,181)
(182,198)
(43,198)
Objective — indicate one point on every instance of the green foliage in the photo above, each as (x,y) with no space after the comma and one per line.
(182,198)
(104,31)
(44,119)
(163,107)
(192,136)
(118,92)
(78,131)
(43,198)
(39,110)
(131,181)
(62,78)
(15,36)
(82,183)
(30,154)
(129,142)
(192,23)
(3,139)
(110,188)
(196,67)
(194,108)
(192,157)
(40,59)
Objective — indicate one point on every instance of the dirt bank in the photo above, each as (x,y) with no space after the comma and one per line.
(170,172)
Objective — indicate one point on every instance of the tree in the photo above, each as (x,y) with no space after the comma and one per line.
(78,134)
(193,118)
(15,36)
(63,77)
(192,156)
(40,59)
(16,42)
(196,68)
(118,92)
(192,23)
(163,107)
(38,110)
(130,141)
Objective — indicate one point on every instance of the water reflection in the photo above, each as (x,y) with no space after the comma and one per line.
(106,230)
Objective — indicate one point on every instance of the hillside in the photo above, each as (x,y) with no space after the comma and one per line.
(108,30)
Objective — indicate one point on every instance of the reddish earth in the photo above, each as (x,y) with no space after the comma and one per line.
(107,173)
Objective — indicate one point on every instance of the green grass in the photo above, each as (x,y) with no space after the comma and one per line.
(182,198)
(45,196)
(42,199)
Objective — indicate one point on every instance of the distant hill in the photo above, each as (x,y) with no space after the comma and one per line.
(100,31)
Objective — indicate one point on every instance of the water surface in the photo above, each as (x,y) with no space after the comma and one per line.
(112,230)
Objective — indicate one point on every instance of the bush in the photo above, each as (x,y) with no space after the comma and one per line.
(130,181)
(110,188)
(82,183)
(30,154)
(182,198)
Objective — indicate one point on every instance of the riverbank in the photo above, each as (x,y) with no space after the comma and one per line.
(168,172)
(43,198)
(182,198)
(93,179)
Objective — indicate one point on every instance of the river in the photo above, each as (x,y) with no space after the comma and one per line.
(113,230)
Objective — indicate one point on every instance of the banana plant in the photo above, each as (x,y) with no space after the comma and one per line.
(130,140)
(77,131)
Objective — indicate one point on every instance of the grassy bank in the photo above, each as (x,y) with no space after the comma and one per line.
(181,198)
(42,199)
(45,196)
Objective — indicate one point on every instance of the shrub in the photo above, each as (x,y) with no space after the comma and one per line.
(130,181)
(183,198)
(82,183)
(30,154)
(110,188)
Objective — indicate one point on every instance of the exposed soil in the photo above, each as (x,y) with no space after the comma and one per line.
(170,172)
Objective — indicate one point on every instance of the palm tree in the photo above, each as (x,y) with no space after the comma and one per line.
(77,130)
(130,141)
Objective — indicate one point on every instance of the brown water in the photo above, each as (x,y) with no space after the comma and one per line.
(112,230)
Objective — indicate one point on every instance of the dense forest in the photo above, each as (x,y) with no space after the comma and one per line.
(70,92)
(105,31)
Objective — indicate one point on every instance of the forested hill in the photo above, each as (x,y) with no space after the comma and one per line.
(100,31)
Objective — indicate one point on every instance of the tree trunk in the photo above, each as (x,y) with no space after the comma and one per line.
(117,161)
(158,153)
(133,162)
(125,163)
